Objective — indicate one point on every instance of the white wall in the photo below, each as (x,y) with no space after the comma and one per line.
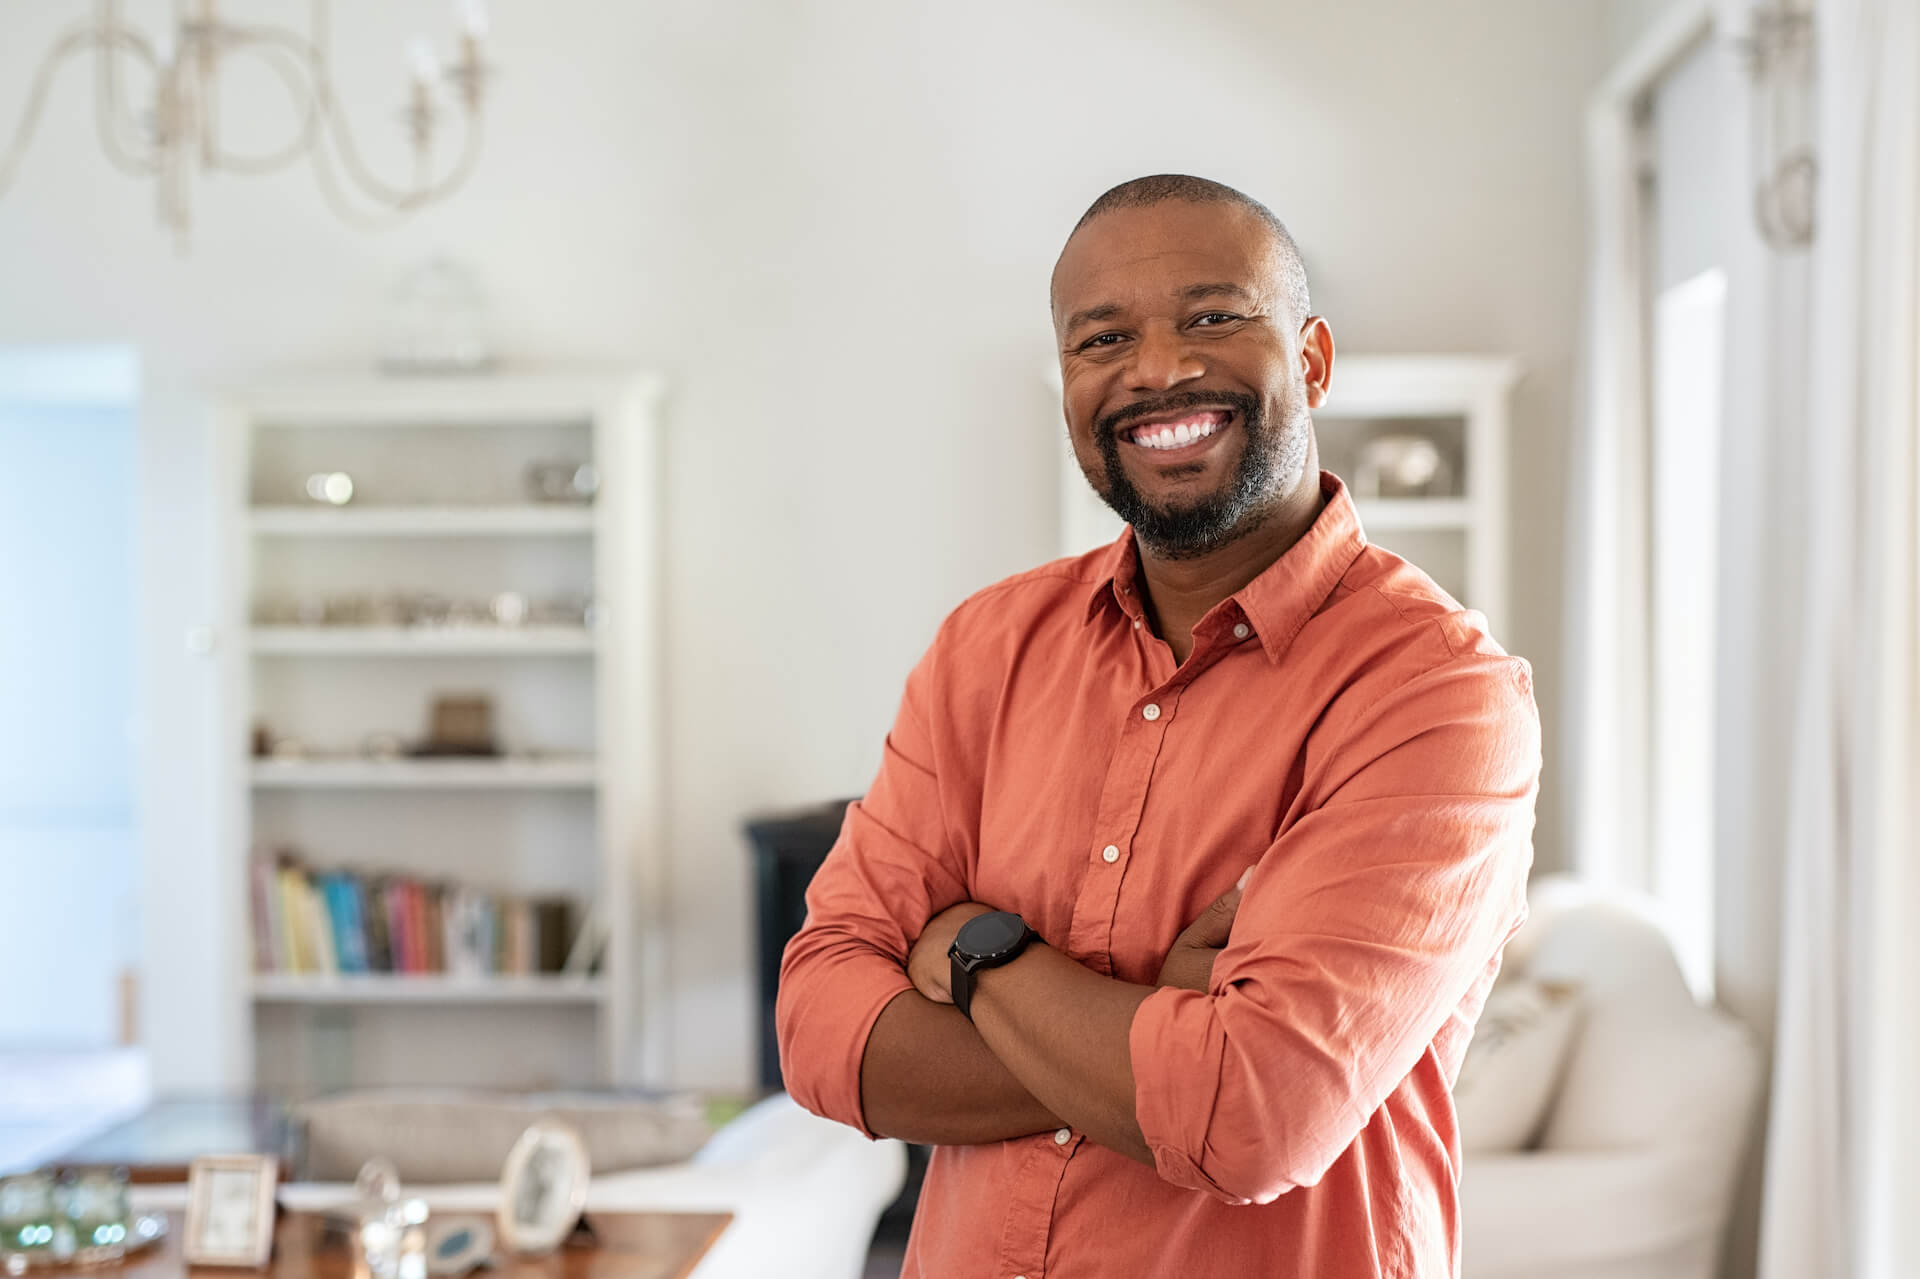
(831,224)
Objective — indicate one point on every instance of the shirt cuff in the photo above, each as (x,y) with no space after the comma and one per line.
(830,1021)
(1177,1046)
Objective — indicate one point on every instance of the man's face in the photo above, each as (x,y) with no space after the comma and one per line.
(1185,396)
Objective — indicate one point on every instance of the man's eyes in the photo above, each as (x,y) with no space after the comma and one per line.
(1207,319)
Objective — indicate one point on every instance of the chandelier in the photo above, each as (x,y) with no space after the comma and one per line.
(175,130)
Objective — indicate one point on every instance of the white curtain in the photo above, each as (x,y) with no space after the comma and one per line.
(1817,774)
(1604,739)
(1843,1159)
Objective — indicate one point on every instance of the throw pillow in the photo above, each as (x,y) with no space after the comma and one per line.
(441,1136)
(1513,1063)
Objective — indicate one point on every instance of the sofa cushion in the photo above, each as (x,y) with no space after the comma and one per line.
(1514,1063)
(442,1136)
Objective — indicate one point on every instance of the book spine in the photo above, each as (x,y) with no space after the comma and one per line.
(319,927)
(296,957)
(435,927)
(554,932)
(379,941)
(397,916)
(260,881)
(353,894)
(333,896)
(416,927)
(461,955)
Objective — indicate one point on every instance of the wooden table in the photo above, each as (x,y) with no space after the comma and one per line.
(623,1245)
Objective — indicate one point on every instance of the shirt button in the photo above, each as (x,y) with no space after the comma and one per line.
(1242,630)
(1150,712)
(1062,1137)
(1110,854)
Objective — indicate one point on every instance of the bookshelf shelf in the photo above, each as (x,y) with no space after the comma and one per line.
(422,521)
(394,641)
(426,988)
(477,877)
(420,774)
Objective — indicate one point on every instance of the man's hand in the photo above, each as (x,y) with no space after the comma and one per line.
(1189,964)
(927,965)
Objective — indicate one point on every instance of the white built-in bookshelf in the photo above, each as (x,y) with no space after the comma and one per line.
(1457,534)
(352,620)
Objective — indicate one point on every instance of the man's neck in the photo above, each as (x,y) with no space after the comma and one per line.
(1179,592)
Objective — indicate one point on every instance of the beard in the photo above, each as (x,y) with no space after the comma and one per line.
(1270,457)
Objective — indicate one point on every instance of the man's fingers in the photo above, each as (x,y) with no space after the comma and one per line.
(1216,921)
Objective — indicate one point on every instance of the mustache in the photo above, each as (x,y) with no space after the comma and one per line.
(1177,402)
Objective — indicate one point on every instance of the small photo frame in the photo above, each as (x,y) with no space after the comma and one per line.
(543,1188)
(230,1203)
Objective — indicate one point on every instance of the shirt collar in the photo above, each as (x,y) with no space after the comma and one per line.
(1279,601)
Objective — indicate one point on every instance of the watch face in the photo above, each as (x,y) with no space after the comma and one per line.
(986,936)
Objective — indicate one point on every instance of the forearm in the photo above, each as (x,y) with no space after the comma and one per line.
(1061,1031)
(927,1076)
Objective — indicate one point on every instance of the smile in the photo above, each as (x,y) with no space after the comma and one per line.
(1179,433)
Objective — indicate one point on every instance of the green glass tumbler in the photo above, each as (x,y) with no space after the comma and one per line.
(26,1214)
(93,1201)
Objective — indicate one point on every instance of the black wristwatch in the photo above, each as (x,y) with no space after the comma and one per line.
(985,941)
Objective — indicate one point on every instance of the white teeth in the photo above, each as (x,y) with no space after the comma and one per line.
(1173,437)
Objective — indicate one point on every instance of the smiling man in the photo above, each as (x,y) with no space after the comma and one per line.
(1190,860)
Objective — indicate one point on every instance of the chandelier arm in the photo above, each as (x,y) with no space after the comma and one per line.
(341,136)
(333,191)
(427,193)
(333,124)
(120,133)
(74,41)
(286,58)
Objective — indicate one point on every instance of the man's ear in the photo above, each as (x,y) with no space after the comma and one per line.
(1316,360)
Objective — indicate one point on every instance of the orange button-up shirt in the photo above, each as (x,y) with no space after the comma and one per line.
(1343,727)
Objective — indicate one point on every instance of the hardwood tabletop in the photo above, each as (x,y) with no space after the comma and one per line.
(621,1245)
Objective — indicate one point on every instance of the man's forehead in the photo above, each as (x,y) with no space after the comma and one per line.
(1167,249)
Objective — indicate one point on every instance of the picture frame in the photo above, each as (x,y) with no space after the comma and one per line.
(543,1188)
(230,1211)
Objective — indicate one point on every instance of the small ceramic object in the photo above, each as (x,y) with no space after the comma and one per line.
(456,1245)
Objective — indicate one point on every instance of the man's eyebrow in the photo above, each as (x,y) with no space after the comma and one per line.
(1226,288)
(1105,311)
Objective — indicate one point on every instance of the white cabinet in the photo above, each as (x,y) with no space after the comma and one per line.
(446,576)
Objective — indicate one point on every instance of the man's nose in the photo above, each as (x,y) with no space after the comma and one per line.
(1163,360)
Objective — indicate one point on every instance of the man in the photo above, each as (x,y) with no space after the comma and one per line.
(1259,794)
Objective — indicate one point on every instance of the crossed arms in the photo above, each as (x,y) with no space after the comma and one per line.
(1360,932)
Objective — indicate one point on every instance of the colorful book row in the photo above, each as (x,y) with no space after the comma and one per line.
(341,922)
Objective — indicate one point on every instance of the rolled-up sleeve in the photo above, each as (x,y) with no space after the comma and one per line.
(893,868)
(1361,930)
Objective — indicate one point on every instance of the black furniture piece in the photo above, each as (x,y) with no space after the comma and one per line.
(787,849)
